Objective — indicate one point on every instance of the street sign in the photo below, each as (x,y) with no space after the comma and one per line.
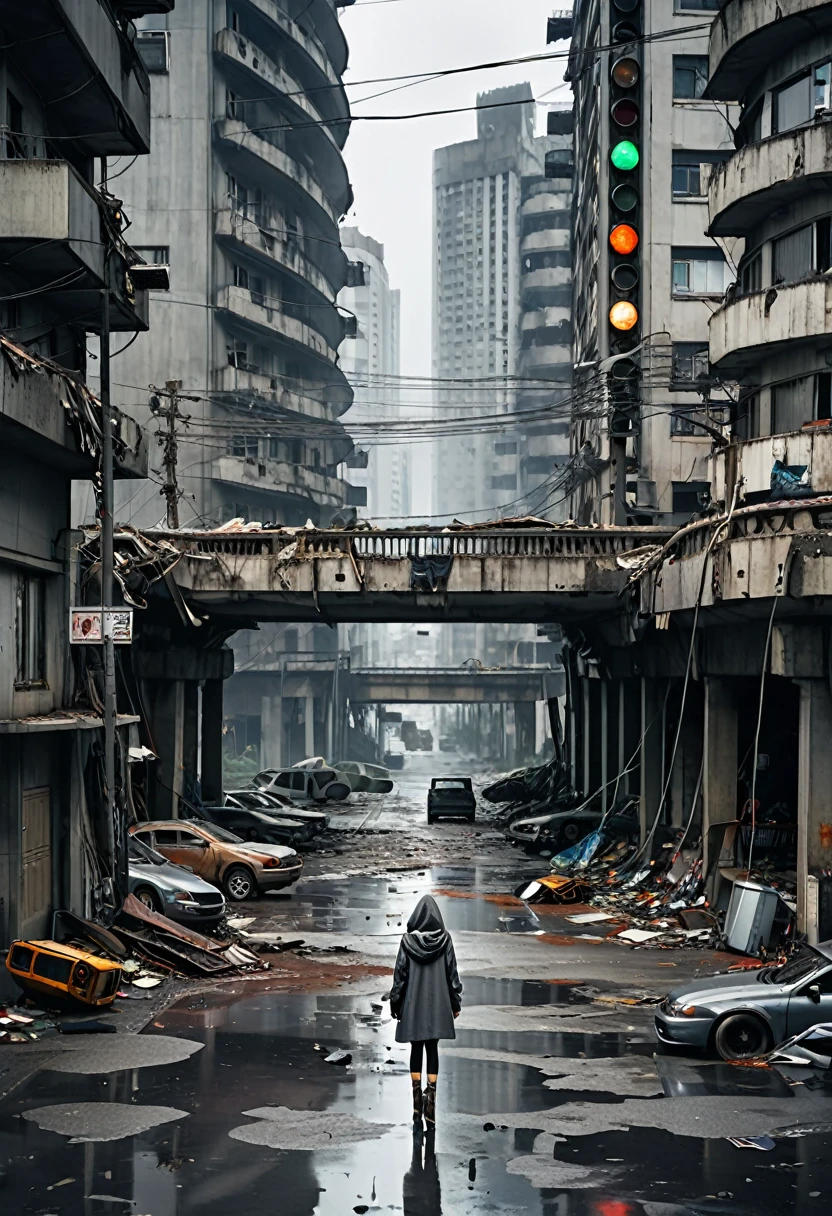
(88,626)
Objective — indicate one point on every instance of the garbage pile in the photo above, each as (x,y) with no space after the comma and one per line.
(86,967)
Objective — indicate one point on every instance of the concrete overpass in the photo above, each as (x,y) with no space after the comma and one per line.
(493,574)
(433,686)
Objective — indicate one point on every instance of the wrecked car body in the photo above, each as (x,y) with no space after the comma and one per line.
(240,868)
(743,1015)
(163,887)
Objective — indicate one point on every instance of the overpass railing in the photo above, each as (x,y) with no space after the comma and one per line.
(397,545)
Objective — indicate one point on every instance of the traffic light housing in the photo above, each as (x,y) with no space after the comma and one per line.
(626,152)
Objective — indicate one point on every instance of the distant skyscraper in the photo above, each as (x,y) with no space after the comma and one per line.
(501,325)
(371,364)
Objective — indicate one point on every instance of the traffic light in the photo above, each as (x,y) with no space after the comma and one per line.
(625,173)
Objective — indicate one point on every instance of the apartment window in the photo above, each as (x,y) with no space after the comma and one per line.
(15,143)
(238,355)
(690,362)
(504,481)
(696,6)
(699,272)
(154,48)
(794,255)
(690,75)
(245,446)
(30,614)
(751,274)
(797,401)
(687,175)
(690,497)
(688,422)
(793,104)
(154,254)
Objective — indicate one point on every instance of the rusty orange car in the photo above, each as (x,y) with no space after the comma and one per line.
(241,867)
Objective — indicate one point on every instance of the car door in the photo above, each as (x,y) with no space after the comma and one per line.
(803,1010)
(195,852)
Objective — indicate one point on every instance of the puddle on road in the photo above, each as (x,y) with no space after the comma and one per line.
(381,906)
(259,1051)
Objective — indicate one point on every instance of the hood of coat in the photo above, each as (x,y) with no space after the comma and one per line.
(426,938)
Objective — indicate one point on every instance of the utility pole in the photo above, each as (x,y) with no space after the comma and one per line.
(169,441)
(110,707)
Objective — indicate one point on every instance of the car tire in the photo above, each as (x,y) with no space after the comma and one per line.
(239,884)
(253,835)
(741,1036)
(570,832)
(148,897)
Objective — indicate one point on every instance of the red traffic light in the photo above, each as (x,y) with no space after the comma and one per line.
(625,112)
(623,238)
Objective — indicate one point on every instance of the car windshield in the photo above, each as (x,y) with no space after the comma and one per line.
(222,834)
(450,785)
(142,854)
(797,969)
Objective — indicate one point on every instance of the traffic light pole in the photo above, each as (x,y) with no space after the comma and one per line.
(110,708)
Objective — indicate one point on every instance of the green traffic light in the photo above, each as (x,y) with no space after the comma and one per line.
(625,155)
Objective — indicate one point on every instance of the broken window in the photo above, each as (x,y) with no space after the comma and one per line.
(30,608)
(154,48)
(15,142)
(690,75)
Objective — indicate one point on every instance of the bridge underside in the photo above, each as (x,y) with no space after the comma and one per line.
(406,607)
(459,687)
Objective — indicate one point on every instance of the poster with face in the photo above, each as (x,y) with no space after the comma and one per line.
(85,625)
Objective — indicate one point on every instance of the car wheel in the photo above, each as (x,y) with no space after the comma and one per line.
(239,884)
(252,834)
(148,897)
(742,1036)
(570,831)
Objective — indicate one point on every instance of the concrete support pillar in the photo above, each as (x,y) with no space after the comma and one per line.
(524,726)
(211,775)
(604,744)
(190,737)
(309,726)
(652,752)
(629,734)
(814,800)
(719,778)
(167,715)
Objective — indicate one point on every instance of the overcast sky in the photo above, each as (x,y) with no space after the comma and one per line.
(391,163)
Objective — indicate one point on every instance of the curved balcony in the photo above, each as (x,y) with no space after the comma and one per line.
(547,277)
(276,168)
(268,320)
(748,34)
(764,177)
(545,241)
(311,51)
(241,235)
(767,321)
(269,476)
(255,70)
(545,318)
(552,358)
(323,14)
(246,385)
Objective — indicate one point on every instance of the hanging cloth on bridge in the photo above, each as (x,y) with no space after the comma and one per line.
(430,573)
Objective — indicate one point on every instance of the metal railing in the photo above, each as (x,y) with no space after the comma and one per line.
(395,545)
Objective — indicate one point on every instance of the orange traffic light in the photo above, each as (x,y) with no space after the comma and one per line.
(623,315)
(623,238)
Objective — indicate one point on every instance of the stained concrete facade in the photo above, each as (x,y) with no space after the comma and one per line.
(61,247)
(243,195)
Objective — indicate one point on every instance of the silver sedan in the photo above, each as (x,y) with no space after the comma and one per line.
(745,1014)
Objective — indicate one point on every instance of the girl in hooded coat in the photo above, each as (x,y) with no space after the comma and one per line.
(425,998)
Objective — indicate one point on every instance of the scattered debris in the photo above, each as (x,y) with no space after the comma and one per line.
(764,1143)
(339,1057)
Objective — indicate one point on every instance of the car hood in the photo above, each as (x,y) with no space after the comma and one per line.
(744,987)
(282,851)
(555,817)
(170,878)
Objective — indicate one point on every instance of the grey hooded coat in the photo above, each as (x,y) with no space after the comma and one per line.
(426,990)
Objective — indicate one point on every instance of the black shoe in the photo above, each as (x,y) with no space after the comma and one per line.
(430,1103)
(417,1101)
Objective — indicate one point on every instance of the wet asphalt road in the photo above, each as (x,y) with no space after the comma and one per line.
(550,1101)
